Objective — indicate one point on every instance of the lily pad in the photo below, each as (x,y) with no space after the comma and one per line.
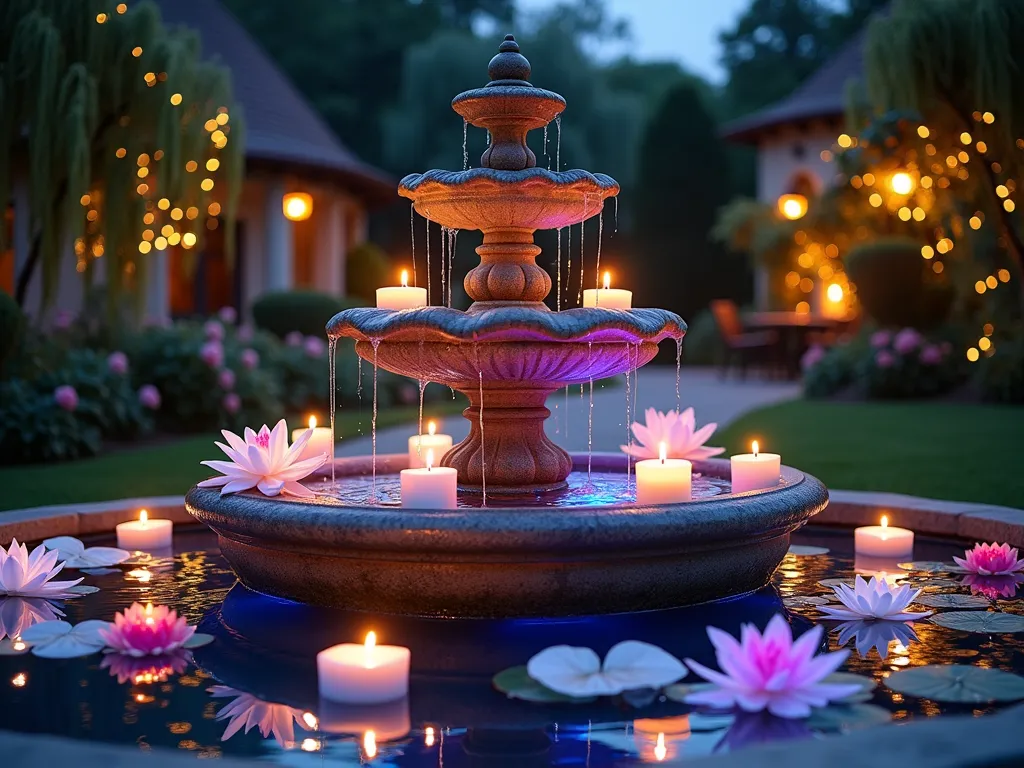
(804,601)
(801,550)
(867,685)
(847,717)
(936,583)
(959,683)
(83,589)
(835,582)
(198,640)
(515,683)
(928,566)
(59,640)
(952,601)
(100,571)
(987,622)
(680,691)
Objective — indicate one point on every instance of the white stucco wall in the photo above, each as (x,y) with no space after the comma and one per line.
(783,155)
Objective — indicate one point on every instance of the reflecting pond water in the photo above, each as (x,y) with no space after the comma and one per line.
(252,692)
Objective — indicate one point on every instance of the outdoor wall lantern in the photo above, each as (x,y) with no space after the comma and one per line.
(298,206)
(792,206)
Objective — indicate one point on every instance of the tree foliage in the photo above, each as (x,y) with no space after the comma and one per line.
(682,182)
(107,108)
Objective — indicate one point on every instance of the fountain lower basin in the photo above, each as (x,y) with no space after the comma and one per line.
(530,560)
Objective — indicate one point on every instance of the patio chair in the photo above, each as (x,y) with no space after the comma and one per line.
(742,347)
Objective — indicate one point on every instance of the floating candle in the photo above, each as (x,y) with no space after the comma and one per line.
(440,444)
(884,541)
(145,535)
(663,480)
(401,297)
(363,674)
(430,487)
(608,297)
(755,470)
(321,441)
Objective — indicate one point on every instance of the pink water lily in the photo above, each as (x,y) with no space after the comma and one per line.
(265,461)
(31,575)
(874,599)
(146,631)
(991,560)
(677,431)
(770,671)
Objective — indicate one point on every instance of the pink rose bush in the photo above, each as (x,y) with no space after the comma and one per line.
(149,396)
(66,397)
(212,353)
(226,379)
(227,315)
(117,363)
(250,358)
(213,330)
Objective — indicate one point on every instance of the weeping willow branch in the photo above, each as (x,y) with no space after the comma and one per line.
(125,133)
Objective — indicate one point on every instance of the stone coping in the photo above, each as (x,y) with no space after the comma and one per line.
(929,517)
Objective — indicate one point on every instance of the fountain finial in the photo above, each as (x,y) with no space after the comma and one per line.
(509,66)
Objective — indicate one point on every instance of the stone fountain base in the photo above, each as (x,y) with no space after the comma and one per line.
(529,561)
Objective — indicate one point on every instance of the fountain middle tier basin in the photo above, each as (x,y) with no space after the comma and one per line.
(526,558)
(507,360)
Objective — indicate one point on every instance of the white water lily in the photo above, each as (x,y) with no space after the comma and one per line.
(30,575)
(679,433)
(875,634)
(60,640)
(874,599)
(247,711)
(264,460)
(75,554)
(629,666)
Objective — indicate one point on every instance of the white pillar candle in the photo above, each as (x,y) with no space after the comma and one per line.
(363,674)
(663,480)
(145,535)
(401,297)
(608,297)
(321,441)
(419,445)
(430,487)
(884,541)
(753,471)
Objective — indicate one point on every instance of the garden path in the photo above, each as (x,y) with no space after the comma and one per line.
(711,398)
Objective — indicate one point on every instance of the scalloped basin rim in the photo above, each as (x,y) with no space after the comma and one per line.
(603,183)
(501,91)
(508,323)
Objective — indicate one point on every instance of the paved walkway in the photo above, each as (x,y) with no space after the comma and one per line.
(711,398)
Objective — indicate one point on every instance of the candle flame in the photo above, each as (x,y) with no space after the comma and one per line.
(753,447)
(662,451)
(371,642)
(405,278)
(885,521)
(19,644)
(428,737)
(312,422)
(660,750)
(149,609)
(430,460)
(431,427)
(607,280)
(370,745)
(310,719)
(143,517)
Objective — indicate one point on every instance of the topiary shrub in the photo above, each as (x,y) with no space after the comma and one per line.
(896,287)
(702,344)
(304,312)
(12,328)
(827,373)
(367,268)
(33,427)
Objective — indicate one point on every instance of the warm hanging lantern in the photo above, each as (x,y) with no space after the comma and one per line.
(792,206)
(902,183)
(298,206)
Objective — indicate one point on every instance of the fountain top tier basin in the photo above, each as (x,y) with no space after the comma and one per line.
(601,554)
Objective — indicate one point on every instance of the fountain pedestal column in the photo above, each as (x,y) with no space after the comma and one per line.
(517,455)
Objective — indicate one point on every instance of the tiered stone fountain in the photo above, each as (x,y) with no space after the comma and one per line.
(507,353)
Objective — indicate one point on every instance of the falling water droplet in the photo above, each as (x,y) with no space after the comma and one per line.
(600,237)
(373,422)
(636,379)
(590,411)
(546,155)
(679,360)
(629,421)
(412,236)
(419,429)
(568,264)
(332,352)
(444,260)
(488,138)
(615,202)
(454,235)
(465,151)
(429,280)
(558,259)
(359,390)
(558,143)
(583,226)
(483,447)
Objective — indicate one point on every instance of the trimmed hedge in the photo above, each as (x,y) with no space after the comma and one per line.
(305,312)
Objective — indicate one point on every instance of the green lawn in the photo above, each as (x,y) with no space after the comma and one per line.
(950,451)
(158,470)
